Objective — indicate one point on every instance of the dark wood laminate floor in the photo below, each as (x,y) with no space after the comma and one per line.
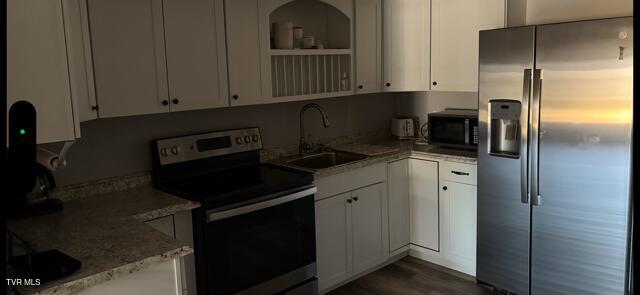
(412,276)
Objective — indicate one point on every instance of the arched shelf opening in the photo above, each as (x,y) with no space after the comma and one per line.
(326,23)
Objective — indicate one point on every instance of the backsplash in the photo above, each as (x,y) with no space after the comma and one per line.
(419,104)
(130,181)
(120,146)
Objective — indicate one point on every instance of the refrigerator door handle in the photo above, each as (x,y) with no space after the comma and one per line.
(535,136)
(524,141)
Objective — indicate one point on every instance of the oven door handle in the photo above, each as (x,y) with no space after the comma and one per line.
(214,215)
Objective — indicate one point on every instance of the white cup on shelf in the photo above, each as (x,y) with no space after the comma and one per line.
(283,35)
(308,42)
(297,37)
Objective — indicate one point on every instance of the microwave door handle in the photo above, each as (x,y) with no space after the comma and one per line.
(524,137)
(466,131)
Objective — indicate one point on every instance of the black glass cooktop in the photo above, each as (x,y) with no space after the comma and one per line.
(238,184)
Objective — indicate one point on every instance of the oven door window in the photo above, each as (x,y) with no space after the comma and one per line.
(255,247)
(447,130)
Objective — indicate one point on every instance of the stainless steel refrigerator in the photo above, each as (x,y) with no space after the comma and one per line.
(554,159)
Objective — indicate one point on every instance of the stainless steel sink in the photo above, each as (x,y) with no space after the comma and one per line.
(325,160)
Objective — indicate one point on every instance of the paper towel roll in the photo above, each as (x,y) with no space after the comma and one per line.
(47,158)
(52,160)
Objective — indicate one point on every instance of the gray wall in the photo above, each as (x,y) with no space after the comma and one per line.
(551,11)
(120,146)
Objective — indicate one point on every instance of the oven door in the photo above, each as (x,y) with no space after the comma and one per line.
(450,131)
(264,247)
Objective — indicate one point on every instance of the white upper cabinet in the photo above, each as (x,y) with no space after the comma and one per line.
(137,42)
(129,57)
(243,56)
(195,47)
(368,19)
(454,40)
(264,71)
(80,60)
(37,67)
(406,45)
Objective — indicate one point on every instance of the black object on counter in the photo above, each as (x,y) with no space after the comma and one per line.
(45,266)
(23,168)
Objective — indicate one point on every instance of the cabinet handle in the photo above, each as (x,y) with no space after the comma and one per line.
(175,101)
(444,188)
(165,102)
(434,83)
(459,173)
(388,84)
(355,199)
(235,96)
(349,201)
(95,108)
(359,86)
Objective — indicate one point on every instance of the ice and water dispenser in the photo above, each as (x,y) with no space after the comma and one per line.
(504,127)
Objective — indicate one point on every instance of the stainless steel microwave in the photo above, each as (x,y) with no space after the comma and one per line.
(454,128)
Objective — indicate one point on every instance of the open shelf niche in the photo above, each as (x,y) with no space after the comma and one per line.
(313,73)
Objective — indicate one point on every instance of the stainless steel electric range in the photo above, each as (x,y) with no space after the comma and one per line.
(255,230)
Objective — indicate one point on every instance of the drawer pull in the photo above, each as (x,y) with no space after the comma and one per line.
(459,173)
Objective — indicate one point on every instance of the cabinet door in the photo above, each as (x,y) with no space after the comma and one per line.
(37,68)
(458,208)
(243,51)
(406,45)
(399,235)
(196,61)
(368,56)
(83,91)
(454,43)
(158,279)
(129,56)
(367,220)
(424,203)
(333,240)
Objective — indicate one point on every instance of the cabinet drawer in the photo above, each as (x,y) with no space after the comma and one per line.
(458,172)
(343,182)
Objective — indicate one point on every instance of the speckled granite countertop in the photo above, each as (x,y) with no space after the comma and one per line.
(107,234)
(401,149)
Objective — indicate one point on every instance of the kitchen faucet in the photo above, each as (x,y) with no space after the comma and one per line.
(304,146)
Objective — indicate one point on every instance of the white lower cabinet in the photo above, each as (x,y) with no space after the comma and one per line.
(423,192)
(367,224)
(158,279)
(432,207)
(333,240)
(350,234)
(179,227)
(399,219)
(458,205)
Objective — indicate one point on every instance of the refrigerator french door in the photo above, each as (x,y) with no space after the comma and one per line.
(554,159)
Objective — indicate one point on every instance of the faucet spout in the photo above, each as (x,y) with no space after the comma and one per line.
(305,147)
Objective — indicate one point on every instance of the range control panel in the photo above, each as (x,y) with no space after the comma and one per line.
(205,145)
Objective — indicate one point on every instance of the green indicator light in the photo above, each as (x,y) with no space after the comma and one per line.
(23,132)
